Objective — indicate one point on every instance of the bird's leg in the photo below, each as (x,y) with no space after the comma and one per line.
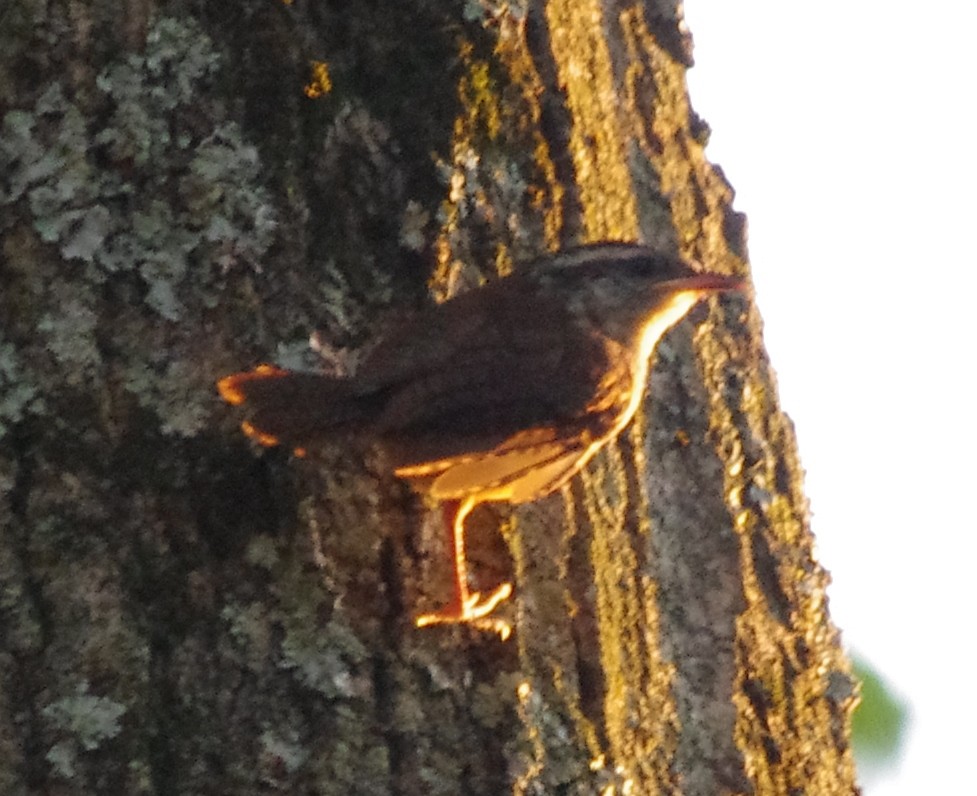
(466,607)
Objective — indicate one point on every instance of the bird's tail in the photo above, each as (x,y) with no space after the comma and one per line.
(285,407)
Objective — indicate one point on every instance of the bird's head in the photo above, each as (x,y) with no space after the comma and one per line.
(632,293)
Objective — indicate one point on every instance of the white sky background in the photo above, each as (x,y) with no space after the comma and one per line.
(847,129)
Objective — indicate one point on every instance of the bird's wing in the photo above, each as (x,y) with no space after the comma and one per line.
(514,427)
(503,383)
(511,313)
(467,373)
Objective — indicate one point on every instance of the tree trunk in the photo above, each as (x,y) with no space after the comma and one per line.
(195,187)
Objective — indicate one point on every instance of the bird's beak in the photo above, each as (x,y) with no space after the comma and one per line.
(703,284)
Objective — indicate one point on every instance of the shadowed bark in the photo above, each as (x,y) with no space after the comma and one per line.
(191,188)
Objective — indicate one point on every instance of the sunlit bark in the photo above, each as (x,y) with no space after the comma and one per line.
(192,188)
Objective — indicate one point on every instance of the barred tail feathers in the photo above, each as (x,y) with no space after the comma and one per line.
(288,407)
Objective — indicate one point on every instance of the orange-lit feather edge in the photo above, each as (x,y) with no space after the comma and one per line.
(230,390)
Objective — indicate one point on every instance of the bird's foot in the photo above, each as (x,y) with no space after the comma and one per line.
(473,610)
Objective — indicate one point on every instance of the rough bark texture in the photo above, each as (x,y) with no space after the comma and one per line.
(185,193)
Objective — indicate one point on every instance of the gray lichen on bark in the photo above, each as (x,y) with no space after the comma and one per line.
(180,613)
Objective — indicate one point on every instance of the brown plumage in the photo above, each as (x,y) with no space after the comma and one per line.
(501,394)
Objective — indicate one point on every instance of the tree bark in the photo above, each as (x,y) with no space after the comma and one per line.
(193,187)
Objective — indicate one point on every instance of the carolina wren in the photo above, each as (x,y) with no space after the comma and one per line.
(500,394)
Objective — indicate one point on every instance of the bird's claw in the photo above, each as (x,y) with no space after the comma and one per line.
(474,611)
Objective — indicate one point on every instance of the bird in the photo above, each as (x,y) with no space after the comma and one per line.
(499,395)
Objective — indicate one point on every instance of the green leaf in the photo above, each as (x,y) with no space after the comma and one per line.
(880,720)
